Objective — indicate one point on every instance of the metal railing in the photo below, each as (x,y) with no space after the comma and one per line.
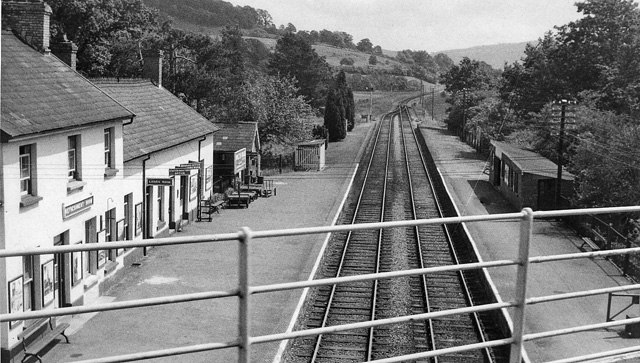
(244,290)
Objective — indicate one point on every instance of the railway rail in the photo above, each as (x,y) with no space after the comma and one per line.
(395,185)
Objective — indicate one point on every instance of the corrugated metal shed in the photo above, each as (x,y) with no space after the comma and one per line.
(162,120)
(40,93)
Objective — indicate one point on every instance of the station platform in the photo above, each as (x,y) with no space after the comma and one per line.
(304,199)
(462,169)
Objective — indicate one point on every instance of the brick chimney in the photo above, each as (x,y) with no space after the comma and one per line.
(153,66)
(30,20)
(66,51)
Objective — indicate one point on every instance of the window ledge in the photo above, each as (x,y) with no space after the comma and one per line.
(110,267)
(90,281)
(109,172)
(74,185)
(29,200)
(161,225)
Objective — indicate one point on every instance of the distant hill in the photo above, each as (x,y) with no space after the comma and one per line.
(495,55)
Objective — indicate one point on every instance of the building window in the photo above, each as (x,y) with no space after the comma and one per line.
(108,155)
(26,176)
(29,298)
(73,152)
(160,203)
(507,173)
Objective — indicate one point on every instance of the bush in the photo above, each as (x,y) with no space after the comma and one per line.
(347,61)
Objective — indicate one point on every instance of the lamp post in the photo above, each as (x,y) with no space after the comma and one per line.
(370,89)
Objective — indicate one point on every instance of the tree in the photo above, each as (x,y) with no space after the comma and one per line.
(595,57)
(282,116)
(466,83)
(377,50)
(373,60)
(294,58)
(605,159)
(291,28)
(339,114)
(106,32)
(365,46)
(443,61)
(334,119)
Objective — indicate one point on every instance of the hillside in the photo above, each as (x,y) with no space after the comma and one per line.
(495,55)
(334,55)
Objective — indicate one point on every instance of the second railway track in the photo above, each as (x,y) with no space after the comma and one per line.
(393,184)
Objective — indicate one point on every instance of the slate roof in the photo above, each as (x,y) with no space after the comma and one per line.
(162,120)
(41,93)
(235,136)
(531,162)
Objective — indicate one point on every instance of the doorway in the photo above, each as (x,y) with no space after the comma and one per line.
(61,272)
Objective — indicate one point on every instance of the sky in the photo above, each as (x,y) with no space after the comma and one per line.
(431,25)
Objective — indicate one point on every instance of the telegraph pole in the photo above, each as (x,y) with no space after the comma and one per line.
(464,112)
(563,116)
(433,96)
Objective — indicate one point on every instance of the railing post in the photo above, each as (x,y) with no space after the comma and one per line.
(244,353)
(526,227)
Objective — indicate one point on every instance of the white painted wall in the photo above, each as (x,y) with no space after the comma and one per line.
(35,226)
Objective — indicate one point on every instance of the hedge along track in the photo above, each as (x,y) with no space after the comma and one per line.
(394,186)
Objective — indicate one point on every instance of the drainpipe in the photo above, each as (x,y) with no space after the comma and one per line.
(200,180)
(144,201)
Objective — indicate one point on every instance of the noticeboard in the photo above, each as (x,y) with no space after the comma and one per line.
(239,160)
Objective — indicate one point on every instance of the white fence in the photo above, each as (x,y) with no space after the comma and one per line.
(245,290)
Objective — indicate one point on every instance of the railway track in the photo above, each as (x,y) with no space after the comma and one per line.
(394,185)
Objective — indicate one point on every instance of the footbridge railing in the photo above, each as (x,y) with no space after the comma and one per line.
(244,290)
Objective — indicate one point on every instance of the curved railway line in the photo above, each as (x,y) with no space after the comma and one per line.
(396,185)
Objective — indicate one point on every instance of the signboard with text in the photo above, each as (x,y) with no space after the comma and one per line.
(239,160)
(160,181)
(75,208)
(179,172)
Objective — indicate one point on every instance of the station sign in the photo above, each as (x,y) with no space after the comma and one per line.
(179,172)
(239,160)
(76,208)
(189,166)
(160,181)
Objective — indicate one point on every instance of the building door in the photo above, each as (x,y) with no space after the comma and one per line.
(497,168)
(148,220)
(91,236)
(546,194)
(61,275)
(184,197)
(172,206)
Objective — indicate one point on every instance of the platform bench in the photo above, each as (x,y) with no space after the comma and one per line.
(34,348)
(239,201)
(215,207)
(589,243)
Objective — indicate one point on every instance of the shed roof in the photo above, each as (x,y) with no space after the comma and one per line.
(316,143)
(529,161)
(235,136)
(41,93)
(162,120)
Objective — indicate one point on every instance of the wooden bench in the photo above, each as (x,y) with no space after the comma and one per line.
(239,200)
(588,243)
(34,348)
(216,206)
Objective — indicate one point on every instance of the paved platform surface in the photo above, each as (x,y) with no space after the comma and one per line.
(462,169)
(303,199)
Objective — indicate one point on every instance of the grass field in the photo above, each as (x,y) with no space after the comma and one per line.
(383,102)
